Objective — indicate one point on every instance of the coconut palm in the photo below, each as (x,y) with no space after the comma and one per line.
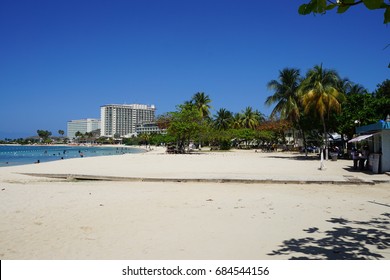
(202,102)
(344,85)
(288,102)
(357,89)
(223,119)
(321,96)
(285,95)
(250,118)
(236,121)
(260,116)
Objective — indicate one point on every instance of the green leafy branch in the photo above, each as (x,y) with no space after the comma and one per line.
(322,6)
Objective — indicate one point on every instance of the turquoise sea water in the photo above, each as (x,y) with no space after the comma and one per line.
(18,155)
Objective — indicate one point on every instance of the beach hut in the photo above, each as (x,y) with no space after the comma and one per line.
(378,137)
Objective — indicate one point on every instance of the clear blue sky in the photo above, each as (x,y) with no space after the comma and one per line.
(61,60)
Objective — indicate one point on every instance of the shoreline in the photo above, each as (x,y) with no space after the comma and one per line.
(44,153)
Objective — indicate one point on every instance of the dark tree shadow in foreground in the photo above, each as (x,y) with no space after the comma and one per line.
(348,240)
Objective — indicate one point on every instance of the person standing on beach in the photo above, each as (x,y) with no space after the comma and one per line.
(355,158)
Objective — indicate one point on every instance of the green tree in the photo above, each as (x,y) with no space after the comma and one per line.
(344,85)
(285,95)
(44,134)
(236,121)
(185,125)
(359,109)
(220,139)
(164,120)
(322,6)
(288,102)
(250,119)
(383,90)
(61,132)
(320,96)
(382,100)
(145,138)
(223,119)
(202,103)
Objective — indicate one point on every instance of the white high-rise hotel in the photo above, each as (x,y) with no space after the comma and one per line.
(122,119)
(83,126)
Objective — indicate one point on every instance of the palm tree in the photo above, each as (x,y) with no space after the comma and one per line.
(237,121)
(357,89)
(344,85)
(223,119)
(250,118)
(202,102)
(78,134)
(260,116)
(321,96)
(145,138)
(285,95)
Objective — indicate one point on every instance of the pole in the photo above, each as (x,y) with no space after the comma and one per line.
(322,164)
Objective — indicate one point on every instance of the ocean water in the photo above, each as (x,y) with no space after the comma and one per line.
(18,155)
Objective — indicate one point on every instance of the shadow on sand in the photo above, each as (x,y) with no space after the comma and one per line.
(347,240)
(297,157)
(364,171)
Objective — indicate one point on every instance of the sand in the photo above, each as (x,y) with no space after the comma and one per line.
(272,206)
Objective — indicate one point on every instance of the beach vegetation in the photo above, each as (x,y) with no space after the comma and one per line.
(104,140)
(202,102)
(163,121)
(321,96)
(192,126)
(323,6)
(145,139)
(250,118)
(285,95)
(186,125)
(273,131)
(288,101)
(44,135)
(305,102)
(236,121)
(219,139)
(223,119)
(322,101)
(382,99)
(154,138)
(362,107)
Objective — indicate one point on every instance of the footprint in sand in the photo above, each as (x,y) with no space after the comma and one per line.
(86,229)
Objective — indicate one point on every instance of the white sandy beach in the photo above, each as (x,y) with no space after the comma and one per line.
(318,214)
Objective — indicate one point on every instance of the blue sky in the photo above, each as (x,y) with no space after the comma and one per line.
(61,60)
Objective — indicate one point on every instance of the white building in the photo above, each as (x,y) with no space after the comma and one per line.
(377,137)
(148,128)
(122,120)
(83,126)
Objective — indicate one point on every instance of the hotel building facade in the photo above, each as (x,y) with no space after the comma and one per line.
(83,126)
(122,120)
